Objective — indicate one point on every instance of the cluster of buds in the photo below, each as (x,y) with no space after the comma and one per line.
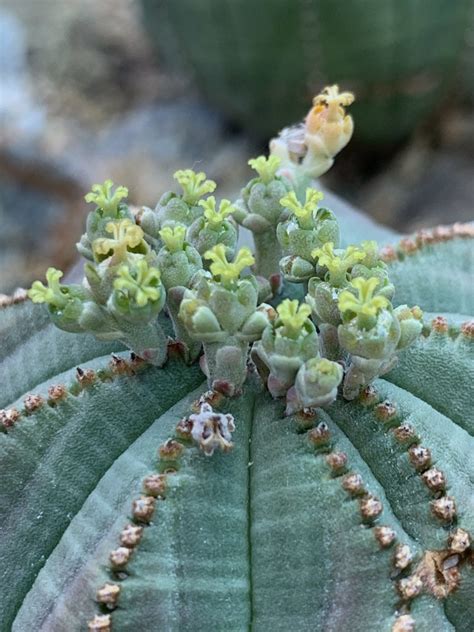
(372,331)
(122,293)
(287,342)
(183,255)
(307,228)
(221,312)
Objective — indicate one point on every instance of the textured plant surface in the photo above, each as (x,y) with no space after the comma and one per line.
(297,488)
(277,52)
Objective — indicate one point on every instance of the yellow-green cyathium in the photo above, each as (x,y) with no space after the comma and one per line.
(222,312)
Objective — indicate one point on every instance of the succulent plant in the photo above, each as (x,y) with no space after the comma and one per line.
(297,488)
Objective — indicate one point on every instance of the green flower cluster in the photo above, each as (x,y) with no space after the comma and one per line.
(183,256)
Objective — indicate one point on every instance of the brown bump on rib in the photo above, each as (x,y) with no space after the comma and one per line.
(403,556)
(424,236)
(337,461)
(155,485)
(467,329)
(183,429)
(405,623)
(85,377)
(408,246)
(56,393)
(369,396)
(108,595)
(320,435)
(118,365)
(461,229)
(388,254)
(143,508)
(370,507)
(119,557)
(439,325)
(170,450)
(459,541)
(439,571)
(131,536)
(305,418)
(136,362)
(420,457)
(443,233)
(404,433)
(410,587)
(434,479)
(385,411)
(33,402)
(18,296)
(211,397)
(385,536)
(444,508)
(100,623)
(353,484)
(9,417)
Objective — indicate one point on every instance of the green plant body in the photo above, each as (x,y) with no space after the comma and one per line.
(297,463)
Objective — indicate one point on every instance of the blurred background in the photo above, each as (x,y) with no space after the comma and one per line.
(135,89)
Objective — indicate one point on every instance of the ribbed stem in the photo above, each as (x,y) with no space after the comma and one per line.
(267,253)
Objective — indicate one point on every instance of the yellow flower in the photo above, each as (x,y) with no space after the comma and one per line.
(293,316)
(337,264)
(304,212)
(141,282)
(365,303)
(194,185)
(265,167)
(125,236)
(225,270)
(173,238)
(106,199)
(215,217)
(51,294)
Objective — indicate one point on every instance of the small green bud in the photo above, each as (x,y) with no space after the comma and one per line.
(411,324)
(105,199)
(316,385)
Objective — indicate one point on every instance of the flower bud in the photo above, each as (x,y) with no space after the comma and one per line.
(411,324)
(316,385)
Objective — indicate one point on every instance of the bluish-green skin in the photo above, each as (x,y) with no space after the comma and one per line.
(262,538)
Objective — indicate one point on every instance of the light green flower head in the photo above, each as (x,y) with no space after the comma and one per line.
(65,302)
(364,305)
(265,167)
(105,198)
(126,237)
(194,185)
(138,292)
